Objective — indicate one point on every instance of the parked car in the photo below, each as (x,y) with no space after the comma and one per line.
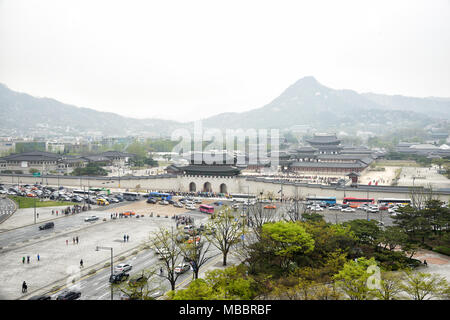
(90,218)
(178,205)
(77,199)
(151,200)
(182,268)
(102,202)
(270,206)
(48,225)
(335,208)
(123,267)
(118,277)
(348,210)
(91,201)
(69,295)
(113,200)
(164,202)
(190,207)
(373,210)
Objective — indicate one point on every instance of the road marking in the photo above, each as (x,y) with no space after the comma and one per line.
(100,298)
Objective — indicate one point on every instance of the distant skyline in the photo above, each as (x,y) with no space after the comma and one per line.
(186,60)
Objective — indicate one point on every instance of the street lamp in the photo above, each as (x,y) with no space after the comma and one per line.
(112,272)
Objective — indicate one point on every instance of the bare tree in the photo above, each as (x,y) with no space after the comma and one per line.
(420,196)
(295,207)
(225,231)
(164,242)
(196,252)
(140,290)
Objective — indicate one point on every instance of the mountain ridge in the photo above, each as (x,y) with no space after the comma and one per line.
(306,101)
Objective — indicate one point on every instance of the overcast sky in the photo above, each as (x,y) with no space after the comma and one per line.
(189,59)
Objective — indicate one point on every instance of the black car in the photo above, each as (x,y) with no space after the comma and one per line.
(151,200)
(43,297)
(118,277)
(119,197)
(48,225)
(69,295)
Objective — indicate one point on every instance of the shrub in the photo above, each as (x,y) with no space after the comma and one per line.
(443,249)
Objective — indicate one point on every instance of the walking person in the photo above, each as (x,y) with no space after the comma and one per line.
(76,239)
(24,287)
(81,263)
(67,242)
(39,257)
(23,260)
(128,238)
(124,238)
(28,259)
(73,240)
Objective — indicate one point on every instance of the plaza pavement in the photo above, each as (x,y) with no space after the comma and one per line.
(58,260)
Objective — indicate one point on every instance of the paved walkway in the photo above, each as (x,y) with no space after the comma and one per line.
(58,259)
(437,263)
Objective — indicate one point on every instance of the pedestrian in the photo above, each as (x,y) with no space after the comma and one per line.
(24,287)
(39,257)
(37,215)
(161,270)
(73,240)
(53,212)
(67,242)
(23,260)
(28,259)
(81,263)
(425,262)
(128,238)
(77,239)
(124,238)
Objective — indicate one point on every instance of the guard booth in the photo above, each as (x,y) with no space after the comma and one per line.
(354,177)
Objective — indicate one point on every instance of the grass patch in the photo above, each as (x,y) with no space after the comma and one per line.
(25,202)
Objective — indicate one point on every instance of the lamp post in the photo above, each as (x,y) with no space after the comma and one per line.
(112,272)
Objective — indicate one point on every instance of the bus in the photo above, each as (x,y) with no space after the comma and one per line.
(356,202)
(328,200)
(160,196)
(131,196)
(84,193)
(206,208)
(388,201)
(243,197)
(108,192)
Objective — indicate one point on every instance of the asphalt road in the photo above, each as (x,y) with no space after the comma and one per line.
(6,208)
(97,286)
(62,224)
